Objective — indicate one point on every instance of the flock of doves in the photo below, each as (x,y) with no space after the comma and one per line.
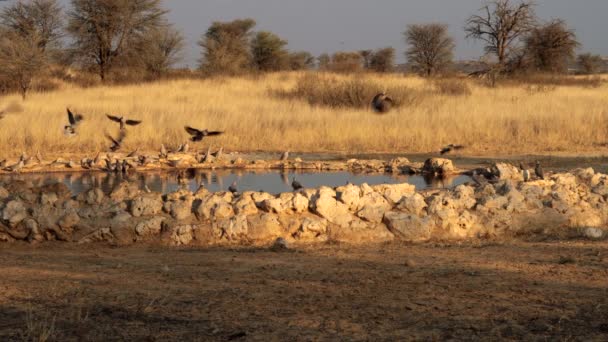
(75,119)
(70,130)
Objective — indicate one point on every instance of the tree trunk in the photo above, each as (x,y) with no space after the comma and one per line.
(102,71)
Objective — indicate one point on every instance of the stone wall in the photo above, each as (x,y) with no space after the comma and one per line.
(571,203)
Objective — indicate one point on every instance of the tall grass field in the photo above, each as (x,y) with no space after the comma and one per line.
(317,113)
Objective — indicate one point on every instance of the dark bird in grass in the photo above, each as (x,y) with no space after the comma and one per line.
(450,148)
(296,185)
(382,103)
(218,154)
(133,154)
(74,120)
(198,135)
(18,166)
(110,166)
(183,148)
(163,151)
(116,143)
(538,170)
(122,121)
(232,188)
(525,172)
(97,158)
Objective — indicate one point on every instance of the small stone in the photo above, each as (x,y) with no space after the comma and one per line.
(594,233)
(279,245)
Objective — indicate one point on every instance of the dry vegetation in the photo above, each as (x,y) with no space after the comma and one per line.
(324,113)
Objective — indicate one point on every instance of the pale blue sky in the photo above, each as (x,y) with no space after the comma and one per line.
(329,25)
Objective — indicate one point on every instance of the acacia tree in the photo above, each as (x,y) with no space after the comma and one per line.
(551,46)
(104,30)
(226,47)
(268,52)
(367,57)
(346,62)
(323,60)
(159,50)
(41,19)
(590,63)
(501,25)
(301,60)
(430,48)
(382,60)
(21,59)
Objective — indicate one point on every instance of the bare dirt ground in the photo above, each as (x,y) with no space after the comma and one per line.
(481,291)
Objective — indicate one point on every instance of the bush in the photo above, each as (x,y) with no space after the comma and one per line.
(556,80)
(330,91)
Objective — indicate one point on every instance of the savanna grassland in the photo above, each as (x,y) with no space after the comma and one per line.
(319,113)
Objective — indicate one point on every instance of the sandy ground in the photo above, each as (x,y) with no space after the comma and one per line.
(515,290)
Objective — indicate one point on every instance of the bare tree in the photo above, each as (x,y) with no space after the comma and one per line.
(430,48)
(501,25)
(21,59)
(268,52)
(226,47)
(551,46)
(40,18)
(589,63)
(160,49)
(383,60)
(104,30)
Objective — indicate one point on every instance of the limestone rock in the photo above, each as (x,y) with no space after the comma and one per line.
(180,235)
(99,235)
(299,203)
(395,192)
(413,204)
(408,227)
(222,210)
(273,205)
(3,193)
(150,227)
(68,221)
(507,171)
(14,212)
(312,228)
(373,206)
(326,206)
(245,206)
(359,231)
(93,196)
(48,198)
(439,166)
(349,195)
(35,233)
(181,210)
(234,229)
(264,227)
(146,205)
(207,206)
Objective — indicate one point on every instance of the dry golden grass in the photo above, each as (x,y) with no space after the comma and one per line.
(512,119)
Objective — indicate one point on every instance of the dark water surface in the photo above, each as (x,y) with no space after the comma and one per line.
(271,181)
